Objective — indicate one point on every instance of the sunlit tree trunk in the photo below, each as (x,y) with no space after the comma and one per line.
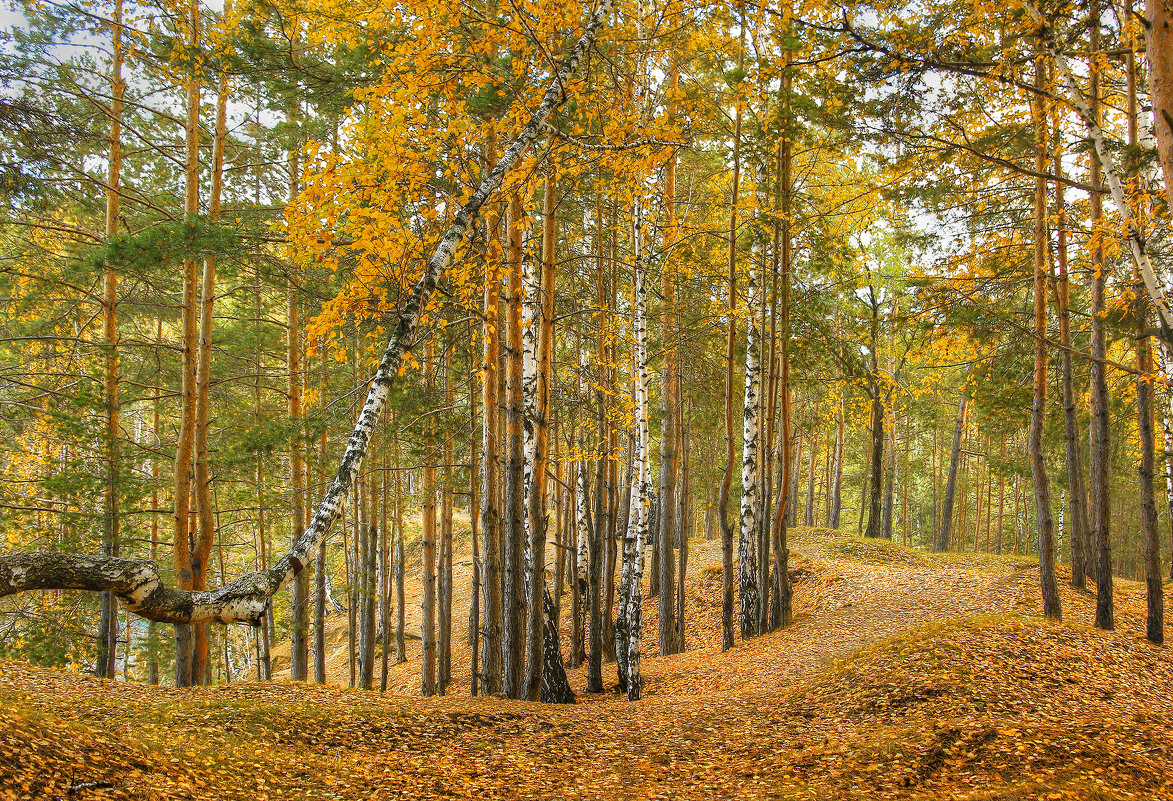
(491,667)
(1159,50)
(108,619)
(190,317)
(597,552)
(202,543)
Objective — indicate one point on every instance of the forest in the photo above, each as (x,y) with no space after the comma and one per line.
(506,399)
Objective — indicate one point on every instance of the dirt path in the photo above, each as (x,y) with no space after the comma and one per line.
(773,718)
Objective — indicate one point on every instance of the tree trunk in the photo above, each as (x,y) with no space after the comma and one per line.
(641,489)
(942,543)
(444,577)
(601,534)
(246,599)
(474,610)
(1046,536)
(1159,49)
(1077,492)
(428,541)
(667,479)
(1155,622)
(183,450)
(545,656)
(1099,506)
(202,543)
(400,611)
(876,462)
(491,667)
(835,501)
(749,593)
(730,351)
(514,590)
(108,618)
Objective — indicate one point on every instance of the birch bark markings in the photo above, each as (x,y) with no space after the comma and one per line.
(538,379)
(245,599)
(749,593)
(641,488)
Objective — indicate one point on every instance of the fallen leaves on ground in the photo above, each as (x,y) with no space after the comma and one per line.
(906,675)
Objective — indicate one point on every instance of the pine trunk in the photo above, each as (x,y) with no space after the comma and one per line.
(1046,536)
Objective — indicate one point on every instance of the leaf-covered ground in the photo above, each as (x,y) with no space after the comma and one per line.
(906,675)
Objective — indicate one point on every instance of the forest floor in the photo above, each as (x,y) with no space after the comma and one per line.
(906,675)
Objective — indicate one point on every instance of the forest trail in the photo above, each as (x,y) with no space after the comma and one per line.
(905,675)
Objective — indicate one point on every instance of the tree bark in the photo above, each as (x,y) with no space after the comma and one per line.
(1159,50)
(108,618)
(491,667)
(641,489)
(942,543)
(1077,492)
(514,587)
(428,541)
(1052,608)
(245,599)
(190,316)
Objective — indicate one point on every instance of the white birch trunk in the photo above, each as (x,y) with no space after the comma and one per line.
(245,599)
(530,314)
(641,489)
(747,566)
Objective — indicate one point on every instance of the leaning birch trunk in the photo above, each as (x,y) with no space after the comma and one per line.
(1136,241)
(641,489)
(108,625)
(244,600)
(1046,535)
